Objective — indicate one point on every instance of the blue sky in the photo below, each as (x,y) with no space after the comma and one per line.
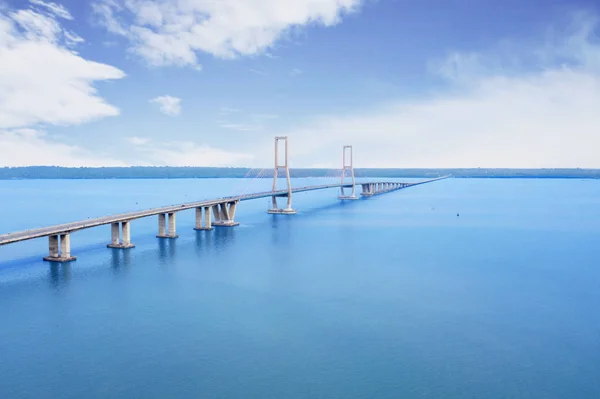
(454,83)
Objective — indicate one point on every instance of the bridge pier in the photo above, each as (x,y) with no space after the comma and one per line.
(348,166)
(224,214)
(162,224)
(123,243)
(65,249)
(370,189)
(288,209)
(207,218)
(276,210)
(367,190)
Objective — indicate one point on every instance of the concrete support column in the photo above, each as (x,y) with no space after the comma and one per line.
(114,234)
(223,212)
(162,225)
(125,241)
(226,214)
(172,225)
(207,221)
(232,209)
(126,233)
(366,190)
(216,213)
(65,245)
(198,218)
(53,246)
(65,249)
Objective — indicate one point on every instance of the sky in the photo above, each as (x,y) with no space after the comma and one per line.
(407,83)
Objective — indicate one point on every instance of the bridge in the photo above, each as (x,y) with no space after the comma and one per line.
(218,212)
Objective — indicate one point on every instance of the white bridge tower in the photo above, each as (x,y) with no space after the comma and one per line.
(288,209)
(348,166)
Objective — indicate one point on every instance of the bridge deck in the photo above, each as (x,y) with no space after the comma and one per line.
(120,217)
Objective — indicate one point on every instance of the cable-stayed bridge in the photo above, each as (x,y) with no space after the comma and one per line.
(218,212)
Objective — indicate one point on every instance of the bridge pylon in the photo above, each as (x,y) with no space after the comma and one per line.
(348,166)
(285,166)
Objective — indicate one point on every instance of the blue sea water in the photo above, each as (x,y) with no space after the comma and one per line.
(462,288)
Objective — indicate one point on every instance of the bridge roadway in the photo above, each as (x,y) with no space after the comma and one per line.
(122,217)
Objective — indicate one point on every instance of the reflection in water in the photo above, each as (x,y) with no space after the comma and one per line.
(223,236)
(120,259)
(59,274)
(280,229)
(167,248)
(330,206)
(204,241)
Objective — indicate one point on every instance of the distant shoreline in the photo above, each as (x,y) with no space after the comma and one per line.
(169,172)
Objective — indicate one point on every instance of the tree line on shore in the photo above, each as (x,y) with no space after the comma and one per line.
(169,172)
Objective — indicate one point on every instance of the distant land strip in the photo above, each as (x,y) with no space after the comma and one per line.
(169,172)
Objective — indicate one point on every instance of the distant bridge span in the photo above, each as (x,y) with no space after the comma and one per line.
(213,212)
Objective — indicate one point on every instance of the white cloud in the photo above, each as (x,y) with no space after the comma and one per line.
(503,109)
(243,122)
(228,110)
(137,140)
(30,147)
(41,80)
(184,153)
(240,127)
(265,116)
(26,147)
(258,72)
(295,72)
(169,105)
(171,32)
(72,39)
(56,9)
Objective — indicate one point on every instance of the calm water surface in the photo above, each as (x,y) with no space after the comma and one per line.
(389,297)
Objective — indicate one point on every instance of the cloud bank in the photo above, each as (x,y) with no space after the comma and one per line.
(510,107)
(171,32)
(44,81)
